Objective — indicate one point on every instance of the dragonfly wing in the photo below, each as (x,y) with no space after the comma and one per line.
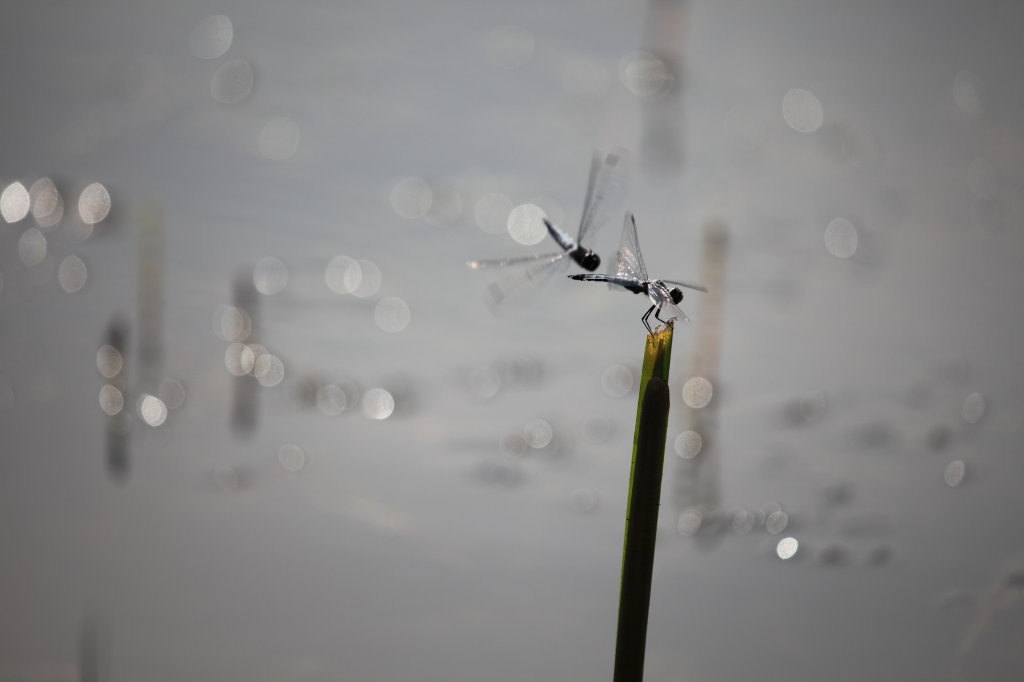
(606,185)
(695,287)
(505,262)
(517,285)
(629,262)
(669,311)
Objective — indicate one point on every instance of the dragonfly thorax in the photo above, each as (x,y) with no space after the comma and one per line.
(587,259)
(675,294)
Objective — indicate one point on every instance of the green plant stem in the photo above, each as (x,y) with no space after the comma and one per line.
(642,508)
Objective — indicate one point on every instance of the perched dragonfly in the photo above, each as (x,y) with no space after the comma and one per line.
(630,273)
(606,183)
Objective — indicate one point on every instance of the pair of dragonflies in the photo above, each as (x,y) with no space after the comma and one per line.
(605,185)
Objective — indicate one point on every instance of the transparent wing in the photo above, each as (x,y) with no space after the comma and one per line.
(670,311)
(629,262)
(606,185)
(505,262)
(667,310)
(695,287)
(516,286)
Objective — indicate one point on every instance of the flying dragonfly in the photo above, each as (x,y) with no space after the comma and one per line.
(630,273)
(605,185)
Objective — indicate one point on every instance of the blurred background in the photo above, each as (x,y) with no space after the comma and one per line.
(257,422)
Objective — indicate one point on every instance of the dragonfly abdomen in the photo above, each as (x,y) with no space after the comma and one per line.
(561,236)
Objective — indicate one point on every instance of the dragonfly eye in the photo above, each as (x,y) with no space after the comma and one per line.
(676,294)
(590,261)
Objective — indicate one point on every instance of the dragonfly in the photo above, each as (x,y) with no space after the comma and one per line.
(604,187)
(630,273)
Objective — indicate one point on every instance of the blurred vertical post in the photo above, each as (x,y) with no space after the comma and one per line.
(667,24)
(244,410)
(118,426)
(697,485)
(642,504)
(92,649)
(150,297)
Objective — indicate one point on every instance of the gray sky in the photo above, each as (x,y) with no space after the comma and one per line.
(868,160)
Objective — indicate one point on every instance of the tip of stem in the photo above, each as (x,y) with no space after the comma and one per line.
(661,334)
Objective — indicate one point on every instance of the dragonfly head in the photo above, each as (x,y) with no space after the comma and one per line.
(677,295)
(589,260)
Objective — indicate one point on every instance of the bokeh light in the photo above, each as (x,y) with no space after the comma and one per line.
(392,314)
(268,370)
(109,361)
(955,473)
(787,548)
(279,139)
(688,522)
(172,393)
(697,392)
(240,359)
(72,274)
(412,197)
(483,382)
(94,204)
(973,408)
(645,74)
(331,400)
(232,82)
(111,399)
(211,37)
(743,521)
(688,444)
(802,110)
(776,522)
(152,410)
(370,279)
(343,275)
(231,323)
(617,380)
(585,500)
(291,457)
(513,445)
(14,202)
(45,201)
(965,93)
(538,433)
(270,276)
(32,247)
(378,404)
(841,238)
(526,224)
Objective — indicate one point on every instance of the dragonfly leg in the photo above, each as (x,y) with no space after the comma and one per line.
(644,319)
(658,318)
